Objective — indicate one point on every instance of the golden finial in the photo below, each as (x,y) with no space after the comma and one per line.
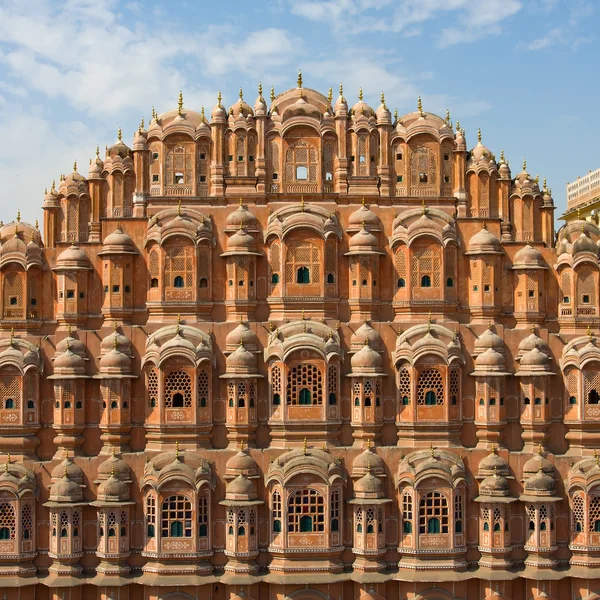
(304,327)
(502,156)
(360,94)
(396,115)
(383,99)
(369,444)
(37,224)
(490,325)
(18,216)
(524,164)
(420,106)
(423,207)
(179,208)
(260,90)
(545,184)
(180,103)
(112,471)
(202,113)
(541,466)
(597,458)
(299,80)
(120,135)
(115,343)
(176,448)
(68,344)
(67,454)
(447,117)
(479,135)
(65,474)
(302,203)
(7,463)
(305,445)
(16,228)
(537,178)
(431,450)
(142,123)
(12,336)
(75,166)
(303,316)
(219,98)
(178,318)
(458,127)
(46,190)
(53,184)
(493,449)
(330,95)
(272,95)
(341,91)
(539,449)
(589,332)
(114,451)
(429,323)
(69,329)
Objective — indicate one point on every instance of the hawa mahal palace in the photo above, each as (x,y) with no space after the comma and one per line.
(299,350)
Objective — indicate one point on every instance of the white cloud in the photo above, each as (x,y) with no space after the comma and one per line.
(473,20)
(553,36)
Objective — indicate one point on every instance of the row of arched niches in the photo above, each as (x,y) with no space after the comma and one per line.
(380,365)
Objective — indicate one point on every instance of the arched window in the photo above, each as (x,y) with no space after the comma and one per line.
(178,389)
(302,275)
(426,281)
(305,385)
(334,511)
(178,282)
(407,513)
(426,267)
(303,263)
(179,267)
(150,516)
(276,511)
(433,513)
(430,387)
(203,515)
(176,517)
(306,512)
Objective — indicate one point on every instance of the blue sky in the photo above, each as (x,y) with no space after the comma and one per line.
(73,71)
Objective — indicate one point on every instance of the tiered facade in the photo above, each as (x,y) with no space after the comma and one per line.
(299,351)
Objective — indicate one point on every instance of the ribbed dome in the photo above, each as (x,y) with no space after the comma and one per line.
(366,360)
(534,358)
(122,343)
(484,241)
(75,345)
(532,466)
(113,490)
(115,465)
(240,488)
(584,244)
(118,242)
(241,217)
(241,240)
(66,490)
(116,361)
(364,216)
(241,463)
(533,341)
(488,339)
(490,359)
(540,483)
(363,240)
(496,485)
(493,463)
(69,361)
(73,471)
(361,109)
(528,257)
(12,246)
(241,361)
(369,486)
(365,333)
(367,461)
(73,258)
(481,152)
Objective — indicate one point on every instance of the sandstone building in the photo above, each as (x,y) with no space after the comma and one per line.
(299,350)
(583,198)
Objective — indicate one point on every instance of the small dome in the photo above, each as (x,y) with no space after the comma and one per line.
(240,488)
(489,360)
(119,148)
(369,486)
(72,258)
(114,465)
(480,151)
(241,241)
(341,106)
(366,360)
(382,113)
(484,241)
(73,471)
(364,217)
(115,361)
(12,246)
(75,345)
(584,244)
(534,358)
(218,113)
(365,333)
(118,241)
(533,341)
(241,334)
(241,218)
(493,463)
(363,240)
(529,257)
(69,361)
(241,463)
(488,339)
(496,485)
(241,361)
(113,490)
(532,466)
(540,483)
(118,340)
(241,107)
(96,168)
(260,106)
(361,108)
(66,490)
(367,461)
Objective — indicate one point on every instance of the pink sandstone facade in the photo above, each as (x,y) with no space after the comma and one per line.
(299,351)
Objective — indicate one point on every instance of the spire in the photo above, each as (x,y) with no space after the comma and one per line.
(423,207)
(479,135)
(299,80)
(241,94)
(177,449)
(524,164)
(180,103)
(272,95)
(429,323)
(19,212)
(179,208)
(260,90)
(120,135)
(502,159)
(395,115)
(342,91)
(447,117)
(202,113)
(219,98)
(12,336)
(74,166)
(305,446)
(360,94)
(431,450)
(420,106)
(330,95)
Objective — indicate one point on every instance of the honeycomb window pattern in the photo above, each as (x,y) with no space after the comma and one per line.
(305,377)
(430,381)
(7,521)
(433,513)
(178,390)
(176,517)
(306,512)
